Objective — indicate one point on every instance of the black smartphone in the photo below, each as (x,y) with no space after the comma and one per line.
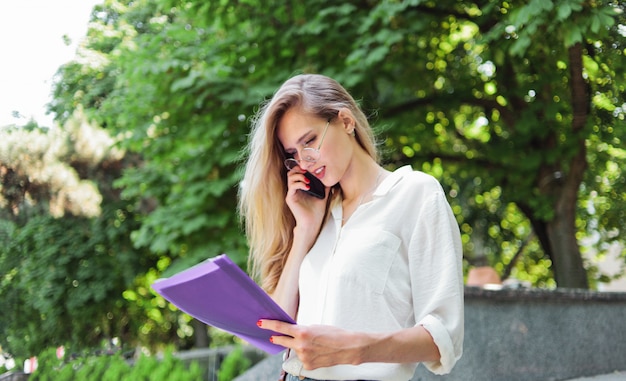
(317,187)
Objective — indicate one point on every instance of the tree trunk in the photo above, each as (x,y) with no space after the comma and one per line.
(201,334)
(558,235)
(567,261)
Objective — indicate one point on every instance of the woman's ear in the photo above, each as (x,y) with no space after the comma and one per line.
(348,120)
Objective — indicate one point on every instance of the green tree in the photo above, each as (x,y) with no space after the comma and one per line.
(187,175)
(66,256)
(516,106)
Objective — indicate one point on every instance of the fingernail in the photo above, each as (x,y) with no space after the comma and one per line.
(272,339)
(307,180)
(308,187)
(259,323)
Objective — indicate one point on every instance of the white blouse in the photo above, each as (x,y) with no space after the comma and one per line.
(395,264)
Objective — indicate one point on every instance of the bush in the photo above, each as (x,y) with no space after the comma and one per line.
(114,368)
(233,365)
(48,367)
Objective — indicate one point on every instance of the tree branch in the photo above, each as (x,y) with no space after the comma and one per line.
(509,267)
(486,104)
(483,22)
(580,96)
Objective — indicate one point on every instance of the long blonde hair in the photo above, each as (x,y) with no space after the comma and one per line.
(267,219)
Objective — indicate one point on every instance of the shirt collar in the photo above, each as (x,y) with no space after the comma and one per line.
(385,187)
(390,181)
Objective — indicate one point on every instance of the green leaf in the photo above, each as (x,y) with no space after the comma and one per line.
(518,48)
(564,11)
(376,55)
(573,35)
(596,23)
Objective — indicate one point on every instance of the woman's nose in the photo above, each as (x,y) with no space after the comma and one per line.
(304,164)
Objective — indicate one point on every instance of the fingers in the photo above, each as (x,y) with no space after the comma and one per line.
(277,326)
(285,330)
(308,343)
(297,180)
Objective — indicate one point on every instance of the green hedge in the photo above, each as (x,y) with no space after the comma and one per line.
(114,368)
(233,365)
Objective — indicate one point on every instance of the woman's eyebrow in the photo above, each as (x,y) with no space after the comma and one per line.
(301,141)
(304,137)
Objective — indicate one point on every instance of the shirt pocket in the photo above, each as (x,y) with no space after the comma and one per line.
(364,257)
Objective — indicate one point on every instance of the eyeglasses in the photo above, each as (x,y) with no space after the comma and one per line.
(310,155)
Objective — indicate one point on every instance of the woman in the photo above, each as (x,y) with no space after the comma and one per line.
(372,271)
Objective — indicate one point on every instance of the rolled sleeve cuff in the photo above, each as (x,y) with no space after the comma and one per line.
(443,342)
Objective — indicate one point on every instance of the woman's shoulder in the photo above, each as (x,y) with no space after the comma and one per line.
(410,178)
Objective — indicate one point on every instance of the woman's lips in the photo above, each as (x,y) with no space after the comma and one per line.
(319,172)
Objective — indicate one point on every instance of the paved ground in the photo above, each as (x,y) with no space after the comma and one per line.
(617,376)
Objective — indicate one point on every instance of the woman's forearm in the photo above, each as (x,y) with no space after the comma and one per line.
(408,345)
(322,345)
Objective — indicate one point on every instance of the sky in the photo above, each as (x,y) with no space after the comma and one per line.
(31,51)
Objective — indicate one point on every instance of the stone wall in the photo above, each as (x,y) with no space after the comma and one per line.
(522,335)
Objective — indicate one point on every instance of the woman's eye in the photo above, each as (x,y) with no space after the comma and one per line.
(309,142)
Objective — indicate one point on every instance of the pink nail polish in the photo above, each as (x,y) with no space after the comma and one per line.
(259,323)
(272,339)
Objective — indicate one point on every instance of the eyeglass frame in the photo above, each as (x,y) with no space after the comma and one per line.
(316,150)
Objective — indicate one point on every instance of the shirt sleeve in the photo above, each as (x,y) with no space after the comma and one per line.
(435,262)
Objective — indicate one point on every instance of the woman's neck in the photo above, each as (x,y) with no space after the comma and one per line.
(359,178)
(361,187)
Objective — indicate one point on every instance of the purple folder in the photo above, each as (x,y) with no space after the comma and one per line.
(218,293)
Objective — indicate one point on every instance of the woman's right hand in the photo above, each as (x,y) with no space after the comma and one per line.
(307,210)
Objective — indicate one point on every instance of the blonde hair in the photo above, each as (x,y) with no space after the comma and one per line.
(267,219)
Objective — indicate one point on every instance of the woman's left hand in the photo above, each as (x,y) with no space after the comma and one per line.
(318,345)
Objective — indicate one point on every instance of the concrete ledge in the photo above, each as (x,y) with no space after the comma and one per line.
(527,334)
(14,376)
(554,296)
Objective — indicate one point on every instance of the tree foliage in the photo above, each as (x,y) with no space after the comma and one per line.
(508,103)
(163,102)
